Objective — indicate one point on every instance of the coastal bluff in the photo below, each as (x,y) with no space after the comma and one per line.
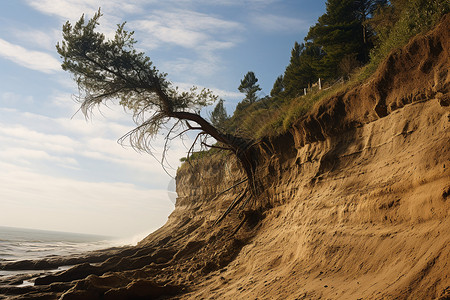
(355,205)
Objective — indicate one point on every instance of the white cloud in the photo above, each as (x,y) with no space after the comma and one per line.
(34,60)
(193,68)
(227,94)
(23,133)
(249,3)
(113,11)
(187,29)
(170,34)
(70,142)
(277,23)
(27,156)
(201,34)
(9,98)
(41,158)
(73,9)
(38,201)
(166,25)
(42,39)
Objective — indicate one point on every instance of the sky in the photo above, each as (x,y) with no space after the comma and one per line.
(60,171)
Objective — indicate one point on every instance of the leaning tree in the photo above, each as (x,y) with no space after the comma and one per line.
(112,69)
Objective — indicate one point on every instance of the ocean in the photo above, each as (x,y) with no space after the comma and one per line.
(30,244)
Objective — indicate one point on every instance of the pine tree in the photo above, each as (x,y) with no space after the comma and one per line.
(109,69)
(278,87)
(302,69)
(339,33)
(249,87)
(364,10)
(219,115)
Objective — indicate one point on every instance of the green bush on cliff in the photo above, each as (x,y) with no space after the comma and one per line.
(390,26)
(398,23)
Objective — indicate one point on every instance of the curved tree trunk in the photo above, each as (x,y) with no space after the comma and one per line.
(239,146)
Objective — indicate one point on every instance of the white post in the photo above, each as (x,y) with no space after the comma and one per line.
(320,84)
(304,91)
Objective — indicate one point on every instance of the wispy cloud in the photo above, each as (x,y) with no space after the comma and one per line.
(113,10)
(39,38)
(9,98)
(278,23)
(73,9)
(187,29)
(27,156)
(202,36)
(35,150)
(192,69)
(71,142)
(251,3)
(35,60)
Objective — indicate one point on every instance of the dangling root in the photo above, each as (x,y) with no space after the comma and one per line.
(239,226)
(232,206)
(250,192)
(224,191)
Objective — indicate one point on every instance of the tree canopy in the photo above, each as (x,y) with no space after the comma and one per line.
(109,69)
(338,43)
(302,69)
(278,87)
(339,33)
(219,115)
(249,87)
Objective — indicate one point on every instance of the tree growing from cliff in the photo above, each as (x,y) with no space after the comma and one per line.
(112,69)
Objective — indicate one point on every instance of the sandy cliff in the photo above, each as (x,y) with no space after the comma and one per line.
(360,215)
(356,195)
(355,205)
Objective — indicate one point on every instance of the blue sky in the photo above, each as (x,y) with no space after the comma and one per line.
(59,171)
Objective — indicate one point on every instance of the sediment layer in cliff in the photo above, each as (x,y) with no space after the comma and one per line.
(355,205)
(358,192)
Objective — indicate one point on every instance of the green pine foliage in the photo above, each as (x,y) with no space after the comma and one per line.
(396,23)
(219,115)
(249,87)
(348,42)
(302,69)
(340,34)
(278,87)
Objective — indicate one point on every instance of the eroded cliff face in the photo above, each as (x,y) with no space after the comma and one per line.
(355,205)
(363,214)
(356,196)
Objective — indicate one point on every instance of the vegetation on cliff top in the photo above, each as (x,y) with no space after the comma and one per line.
(343,49)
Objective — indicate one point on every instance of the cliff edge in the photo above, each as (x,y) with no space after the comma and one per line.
(355,205)
(356,194)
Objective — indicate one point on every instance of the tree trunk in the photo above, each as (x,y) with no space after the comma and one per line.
(239,146)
